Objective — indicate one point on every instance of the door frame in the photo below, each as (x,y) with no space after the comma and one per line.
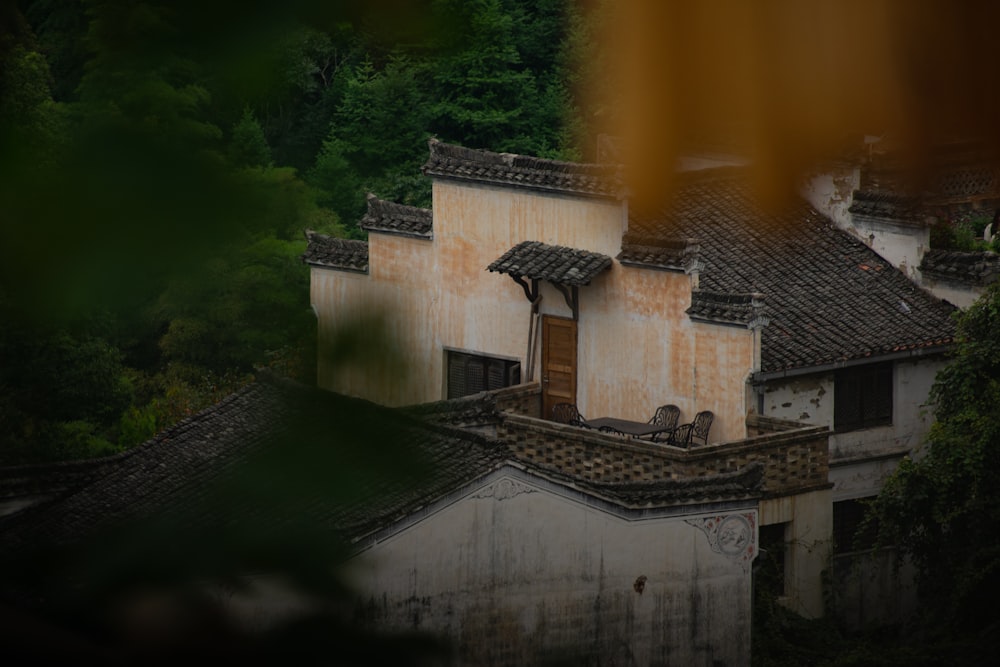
(549,399)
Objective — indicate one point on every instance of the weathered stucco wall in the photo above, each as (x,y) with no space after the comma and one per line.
(901,243)
(831,192)
(961,294)
(515,572)
(637,348)
(808,519)
(861,459)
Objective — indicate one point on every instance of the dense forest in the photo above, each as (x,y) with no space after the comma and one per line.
(160,161)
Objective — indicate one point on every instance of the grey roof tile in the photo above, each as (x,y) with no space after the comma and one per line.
(390,217)
(457,162)
(830,297)
(334,253)
(973,268)
(556,264)
(668,254)
(729,308)
(893,206)
(277,452)
(278,431)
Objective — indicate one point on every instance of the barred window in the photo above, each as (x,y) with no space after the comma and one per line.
(862,397)
(472,373)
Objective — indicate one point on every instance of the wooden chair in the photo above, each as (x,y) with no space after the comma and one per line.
(687,435)
(566,413)
(666,416)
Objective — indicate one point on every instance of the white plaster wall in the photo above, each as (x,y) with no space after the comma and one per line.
(902,244)
(804,398)
(858,458)
(962,296)
(861,478)
(911,417)
(512,572)
(831,193)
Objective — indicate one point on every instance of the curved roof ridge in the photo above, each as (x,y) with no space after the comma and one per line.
(395,218)
(471,164)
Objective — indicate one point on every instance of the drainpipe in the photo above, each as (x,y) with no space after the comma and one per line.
(532,338)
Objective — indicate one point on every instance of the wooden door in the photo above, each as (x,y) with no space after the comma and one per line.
(558,362)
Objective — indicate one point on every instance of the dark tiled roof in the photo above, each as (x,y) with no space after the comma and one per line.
(747,309)
(457,162)
(393,218)
(675,255)
(556,264)
(276,454)
(975,268)
(334,253)
(877,204)
(348,464)
(830,297)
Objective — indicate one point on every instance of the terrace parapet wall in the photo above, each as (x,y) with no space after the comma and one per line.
(795,457)
(522,399)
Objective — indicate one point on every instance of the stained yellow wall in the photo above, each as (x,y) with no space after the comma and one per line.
(637,347)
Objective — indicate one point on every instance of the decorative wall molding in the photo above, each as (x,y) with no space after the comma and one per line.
(504,489)
(732,535)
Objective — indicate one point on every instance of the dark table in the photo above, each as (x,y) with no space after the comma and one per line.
(638,429)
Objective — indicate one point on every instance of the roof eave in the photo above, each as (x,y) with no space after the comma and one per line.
(910,353)
(501,183)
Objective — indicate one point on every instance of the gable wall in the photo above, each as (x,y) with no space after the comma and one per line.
(513,573)
(637,347)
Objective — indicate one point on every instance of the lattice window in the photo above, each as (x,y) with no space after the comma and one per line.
(967,182)
(862,397)
(471,373)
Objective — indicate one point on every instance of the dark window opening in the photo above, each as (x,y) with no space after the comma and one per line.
(769,570)
(862,397)
(471,374)
(850,532)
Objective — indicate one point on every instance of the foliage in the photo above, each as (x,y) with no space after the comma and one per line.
(153,150)
(963,232)
(61,389)
(247,145)
(940,507)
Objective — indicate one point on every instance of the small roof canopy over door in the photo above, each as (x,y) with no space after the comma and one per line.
(561,266)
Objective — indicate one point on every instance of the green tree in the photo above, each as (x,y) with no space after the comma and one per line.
(481,90)
(247,145)
(377,140)
(942,507)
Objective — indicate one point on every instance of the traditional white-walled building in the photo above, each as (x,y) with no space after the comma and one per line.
(475,542)
(712,303)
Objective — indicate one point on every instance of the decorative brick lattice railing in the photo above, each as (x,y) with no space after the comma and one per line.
(795,458)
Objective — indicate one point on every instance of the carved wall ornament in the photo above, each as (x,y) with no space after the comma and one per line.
(732,535)
(503,489)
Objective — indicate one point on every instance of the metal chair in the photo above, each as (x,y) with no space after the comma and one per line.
(666,416)
(566,413)
(685,435)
